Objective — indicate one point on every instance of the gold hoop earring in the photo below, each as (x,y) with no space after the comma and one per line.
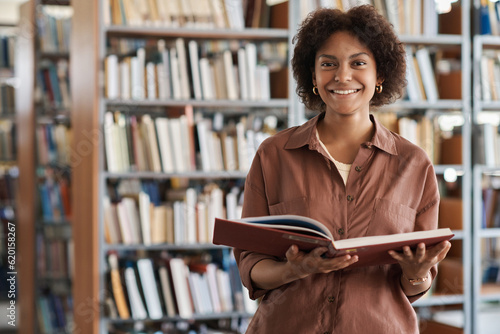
(378,88)
(315,90)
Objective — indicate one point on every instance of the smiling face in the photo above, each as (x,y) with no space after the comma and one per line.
(345,73)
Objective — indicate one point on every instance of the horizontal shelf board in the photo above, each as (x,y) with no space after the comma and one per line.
(190,175)
(273,103)
(210,316)
(164,246)
(58,223)
(256,34)
(54,54)
(440,169)
(440,104)
(488,40)
(489,297)
(489,233)
(439,300)
(489,105)
(432,40)
(459,234)
(488,170)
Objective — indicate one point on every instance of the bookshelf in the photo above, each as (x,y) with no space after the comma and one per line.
(45,250)
(485,118)
(92,98)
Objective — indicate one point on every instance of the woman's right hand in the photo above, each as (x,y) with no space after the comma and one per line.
(270,274)
(304,264)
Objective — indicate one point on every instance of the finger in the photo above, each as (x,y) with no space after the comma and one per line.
(439,249)
(319,251)
(407,252)
(397,256)
(292,252)
(420,253)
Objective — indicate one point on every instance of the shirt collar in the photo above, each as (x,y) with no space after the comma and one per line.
(305,134)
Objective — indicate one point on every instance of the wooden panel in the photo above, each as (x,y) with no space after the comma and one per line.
(84,164)
(25,137)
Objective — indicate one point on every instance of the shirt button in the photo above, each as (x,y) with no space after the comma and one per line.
(357,168)
(340,231)
(369,146)
(331,299)
(349,198)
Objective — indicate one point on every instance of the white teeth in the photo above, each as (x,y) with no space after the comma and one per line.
(345,92)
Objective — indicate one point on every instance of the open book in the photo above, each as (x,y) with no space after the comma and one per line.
(273,235)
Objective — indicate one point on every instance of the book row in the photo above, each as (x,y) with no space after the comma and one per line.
(7,140)
(181,144)
(409,17)
(8,184)
(199,14)
(54,190)
(7,99)
(183,70)
(55,258)
(489,22)
(54,28)
(186,217)
(443,144)
(52,84)
(53,143)
(174,286)
(491,205)
(486,141)
(55,312)
(7,51)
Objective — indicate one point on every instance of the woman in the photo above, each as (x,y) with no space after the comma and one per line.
(346,170)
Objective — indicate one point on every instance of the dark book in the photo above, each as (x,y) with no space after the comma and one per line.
(273,235)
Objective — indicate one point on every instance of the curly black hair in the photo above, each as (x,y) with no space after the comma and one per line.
(371,28)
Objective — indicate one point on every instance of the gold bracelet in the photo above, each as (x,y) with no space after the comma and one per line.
(416,281)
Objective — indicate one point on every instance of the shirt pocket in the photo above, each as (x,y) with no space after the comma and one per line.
(296,206)
(390,218)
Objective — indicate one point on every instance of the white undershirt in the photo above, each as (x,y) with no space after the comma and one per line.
(343,168)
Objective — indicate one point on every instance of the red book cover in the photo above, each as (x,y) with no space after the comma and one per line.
(273,235)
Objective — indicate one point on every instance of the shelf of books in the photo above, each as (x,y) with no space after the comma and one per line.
(164,148)
(486,120)
(44,114)
(434,114)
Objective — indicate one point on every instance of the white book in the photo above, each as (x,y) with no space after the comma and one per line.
(263,83)
(163,14)
(217,160)
(190,214)
(165,144)
(175,138)
(127,232)
(234,10)
(112,77)
(195,69)
(202,127)
(205,293)
(392,10)
(137,86)
(185,133)
(251,58)
(217,8)
(125,80)
(430,18)
(166,289)
(202,222)
(196,293)
(225,293)
(183,68)
(121,125)
(230,159)
(135,299)
(412,88)
(243,161)
(145,215)
(154,152)
(242,74)
(231,205)
(485,81)
(427,73)
(179,222)
(111,143)
(207,80)
(132,213)
(176,78)
(216,209)
(164,77)
(180,272)
(231,85)
(151,81)
(213,288)
(149,288)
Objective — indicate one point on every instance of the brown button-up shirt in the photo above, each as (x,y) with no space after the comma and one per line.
(391,188)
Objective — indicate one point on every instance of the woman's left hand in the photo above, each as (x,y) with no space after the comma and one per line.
(417,264)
